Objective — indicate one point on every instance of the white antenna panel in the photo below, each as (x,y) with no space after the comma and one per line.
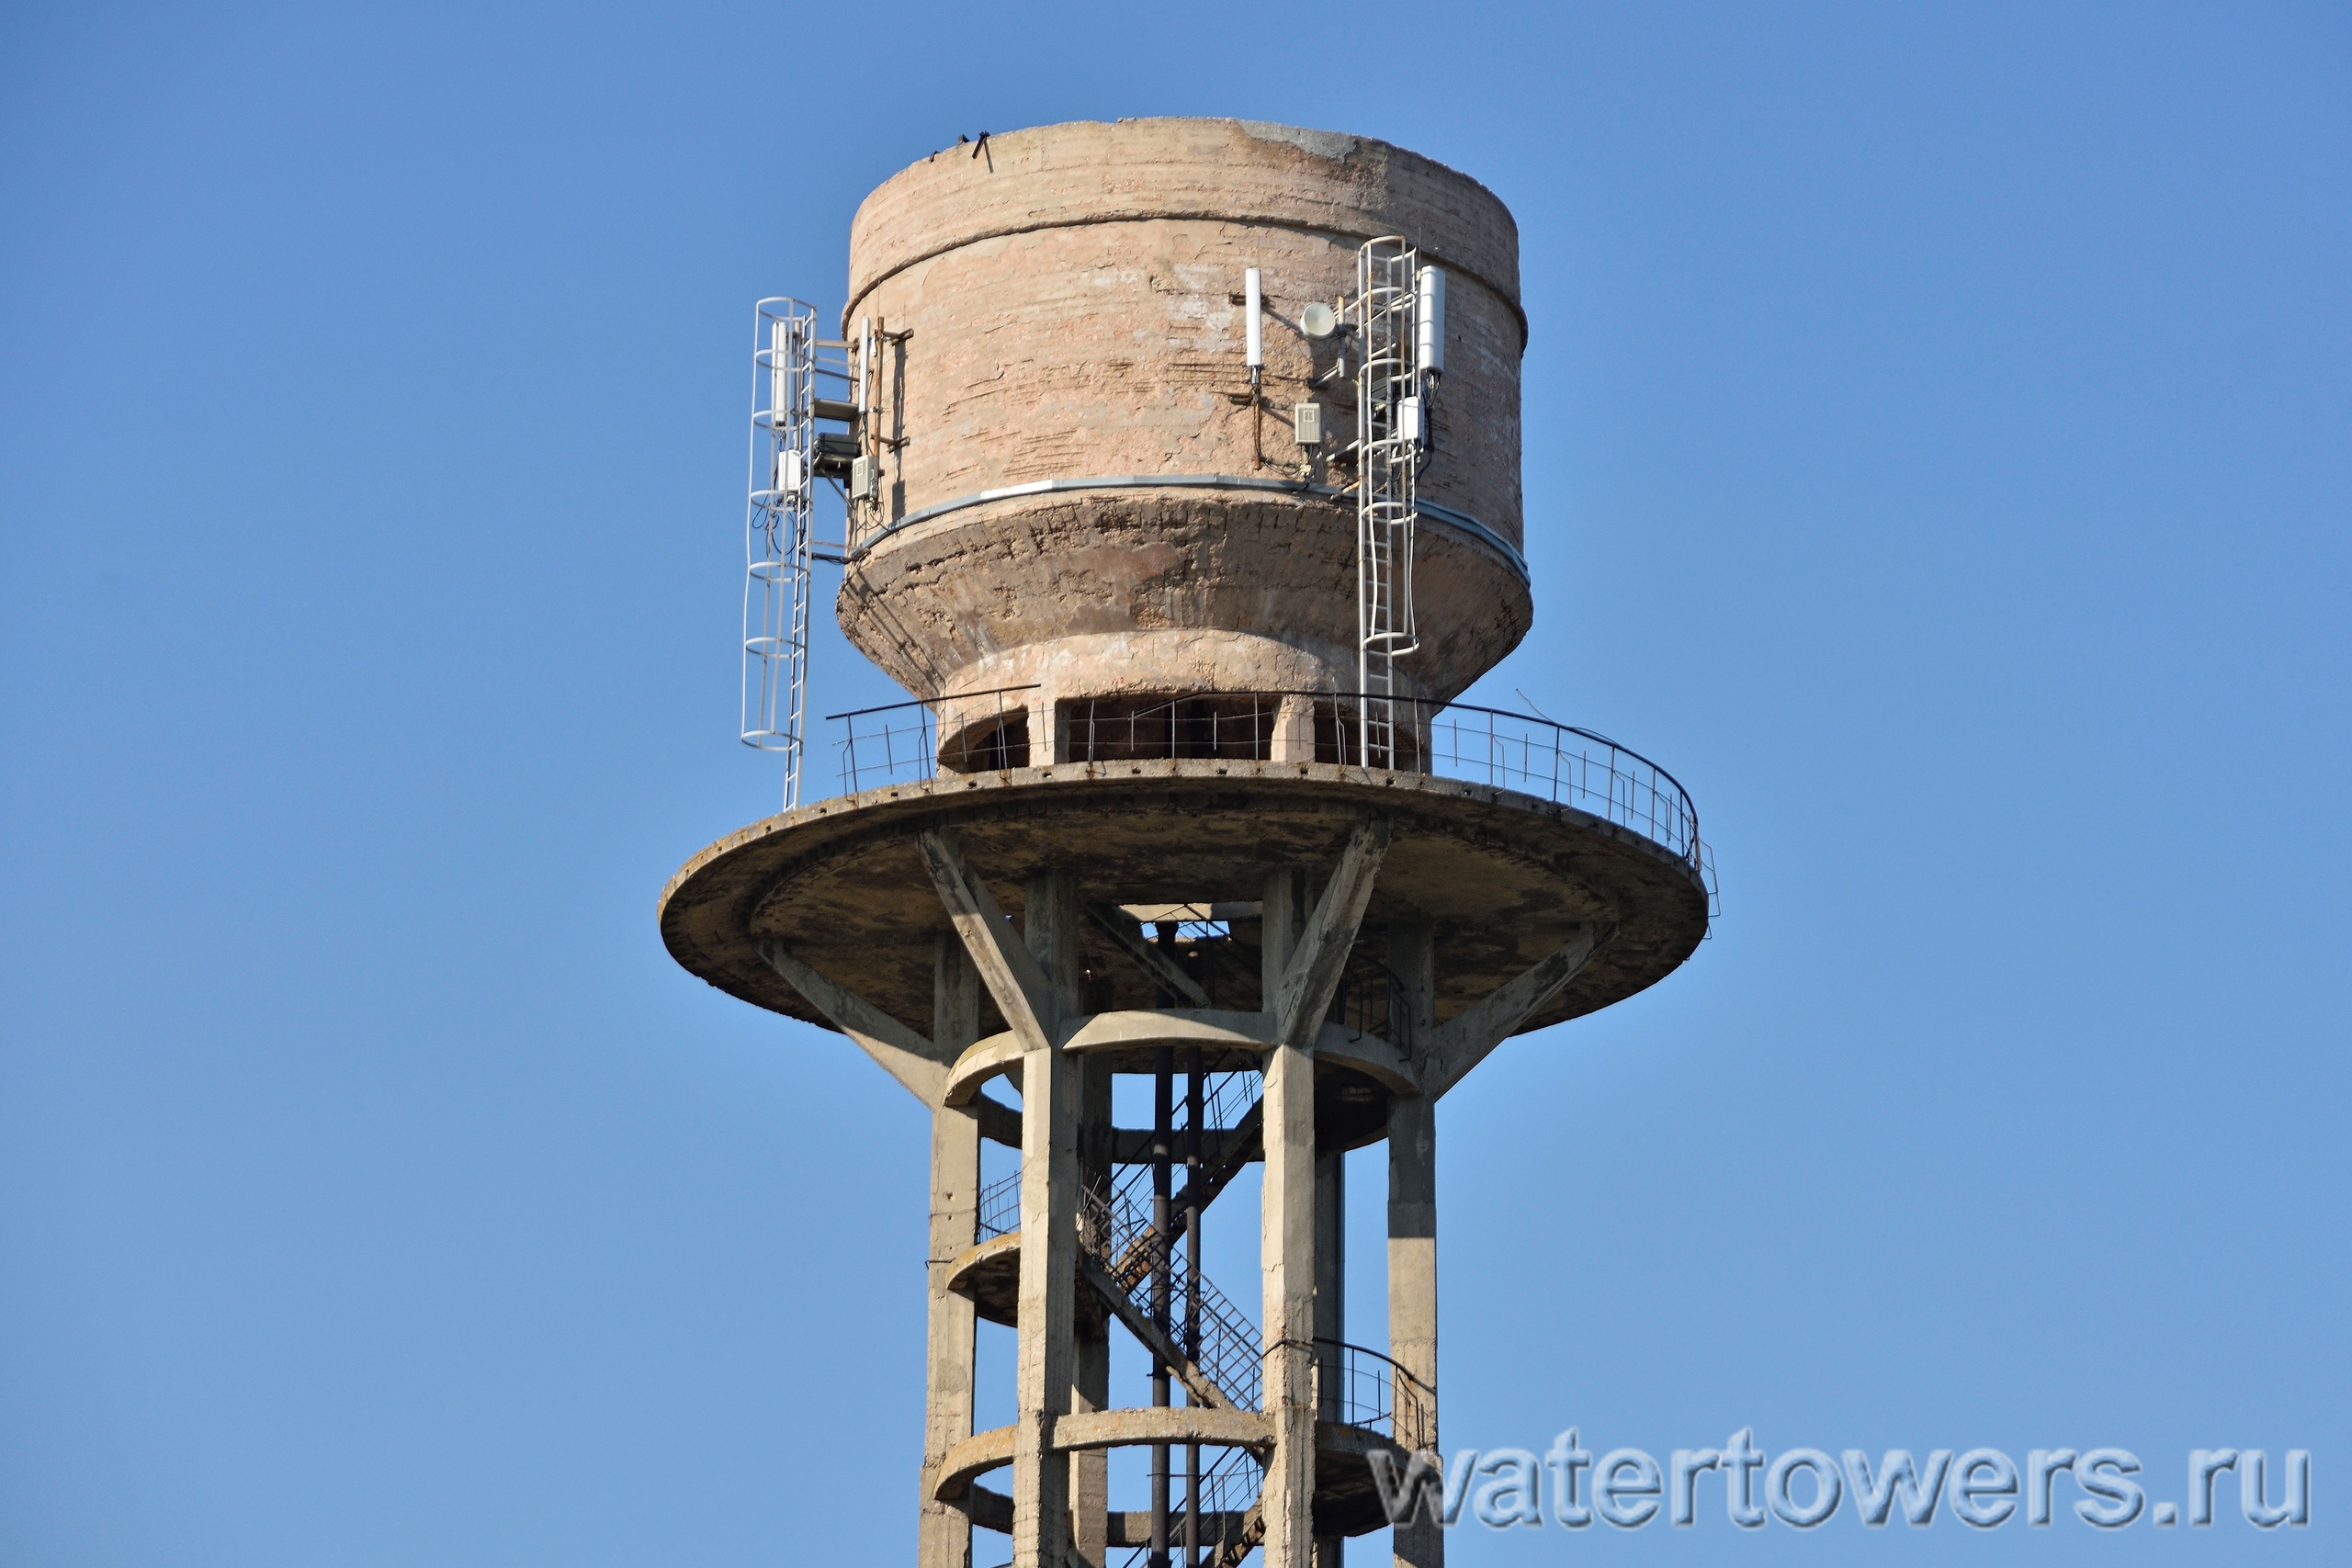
(1254,354)
(1428,320)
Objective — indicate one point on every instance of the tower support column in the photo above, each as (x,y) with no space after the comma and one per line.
(944,1535)
(1412,1220)
(1286,1248)
(1046,1365)
(1330,1310)
(1294,737)
(1090,1470)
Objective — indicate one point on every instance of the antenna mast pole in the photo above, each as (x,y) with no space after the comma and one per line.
(776,533)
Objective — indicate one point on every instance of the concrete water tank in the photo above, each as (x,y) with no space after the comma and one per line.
(1082,492)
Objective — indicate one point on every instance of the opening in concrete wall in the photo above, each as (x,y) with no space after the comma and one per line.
(989,745)
(1150,726)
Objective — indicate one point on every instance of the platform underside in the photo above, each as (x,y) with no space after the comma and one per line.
(1504,879)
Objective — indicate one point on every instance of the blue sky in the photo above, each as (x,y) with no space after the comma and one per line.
(1936,454)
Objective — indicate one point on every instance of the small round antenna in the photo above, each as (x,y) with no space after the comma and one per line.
(1318,320)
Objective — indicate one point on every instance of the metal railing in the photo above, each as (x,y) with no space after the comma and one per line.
(1120,1234)
(1230,1490)
(988,731)
(1365,1388)
(1226,1100)
(981,732)
(1354,1385)
(1566,765)
(999,1207)
(1201,724)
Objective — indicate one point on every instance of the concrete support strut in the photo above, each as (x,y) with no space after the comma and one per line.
(1412,1218)
(1060,1512)
(1012,974)
(1052,936)
(1304,953)
(920,1065)
(1034,986)
(1163,969)
(1286,1235)
(944,1533)
(1300,996)
(1462,1043)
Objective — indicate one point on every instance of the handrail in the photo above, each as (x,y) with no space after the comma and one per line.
(1223,1105)
(1124,1241)
(1359,1395)
(1230,1490)
(929,702)
(998,1211)
(1543,756)
(919,748)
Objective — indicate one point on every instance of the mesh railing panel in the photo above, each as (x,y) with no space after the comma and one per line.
(1120,1235)
(992,730)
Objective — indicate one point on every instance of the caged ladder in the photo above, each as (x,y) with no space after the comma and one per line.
(789,454)
(1399,327)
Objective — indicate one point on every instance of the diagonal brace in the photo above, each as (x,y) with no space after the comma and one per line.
(1462,1043)
(1148,1334)
(915,1061)
(1162,968)
(1311,977)
(1007,967)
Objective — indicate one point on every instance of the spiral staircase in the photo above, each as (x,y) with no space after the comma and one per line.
(1360,1393)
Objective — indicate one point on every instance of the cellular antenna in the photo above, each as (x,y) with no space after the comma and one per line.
(1429,321)
(1253,352)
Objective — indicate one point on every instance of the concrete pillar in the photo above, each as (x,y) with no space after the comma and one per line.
(944,1538)
(1286,1250)
(1090,1473)
(1412,1213)
(1047,1364)
(1048,742)
(1330,1313)
(1331,1265)
(1294,738)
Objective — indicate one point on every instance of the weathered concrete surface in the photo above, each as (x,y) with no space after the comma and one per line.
(1346,1502)
(1291,939)
(944,1535)
(1070,309)
(1046,1361)
(1103,592)
(1142,1426)
(1412,1225)
(1229,1039)
(1503,878)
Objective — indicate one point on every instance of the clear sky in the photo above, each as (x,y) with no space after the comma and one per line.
(1936,456)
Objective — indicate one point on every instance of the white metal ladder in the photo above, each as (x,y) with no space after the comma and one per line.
(1391,414)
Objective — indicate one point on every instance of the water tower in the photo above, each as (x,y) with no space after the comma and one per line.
(1177,462)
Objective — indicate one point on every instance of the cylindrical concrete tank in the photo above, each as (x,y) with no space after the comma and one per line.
(1059,316)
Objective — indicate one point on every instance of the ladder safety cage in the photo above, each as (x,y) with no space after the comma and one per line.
(1399,327)
(788,454)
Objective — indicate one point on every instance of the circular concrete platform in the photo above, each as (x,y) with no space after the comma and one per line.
(1504,878)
